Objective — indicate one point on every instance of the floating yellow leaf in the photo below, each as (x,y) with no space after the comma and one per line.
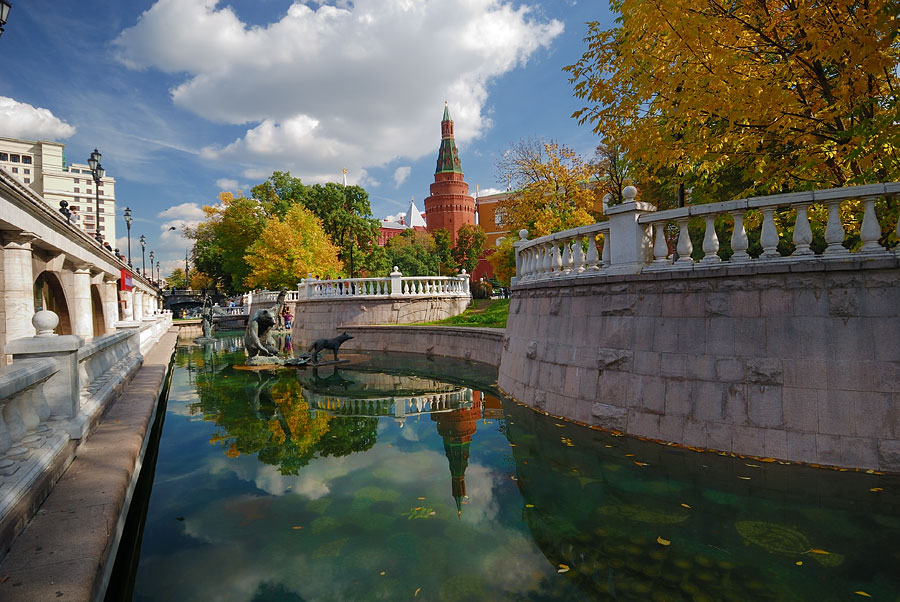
(862,593)
(799,563)
(297,527)
(421,498)
(767,459)
(563,568)
(751,465)
(418,589)
(389,445)
(685,506)
(529,505)
(381,573)
(559,425)
(641,463)
(662,542)
(745,478)
(629,455)
(607,445)
(818,551)
(870,471)
(876,489)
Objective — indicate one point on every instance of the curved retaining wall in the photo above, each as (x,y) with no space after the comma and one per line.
(322,319)
(476,344)
(799,362)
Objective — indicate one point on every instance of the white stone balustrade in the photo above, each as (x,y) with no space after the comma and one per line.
(393,286)
(634,237)
(396,407)
(24,411)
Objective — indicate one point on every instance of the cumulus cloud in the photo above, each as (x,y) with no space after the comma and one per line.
(21,120)
(326,87)
(227,184)
(401,173)
(489,191)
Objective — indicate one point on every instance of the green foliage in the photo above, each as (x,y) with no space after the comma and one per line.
(503,260)
(413,253)
(176,279)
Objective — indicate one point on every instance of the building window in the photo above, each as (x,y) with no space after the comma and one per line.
(100,191)
(26,159)
(14,158)
(77,189)
(4,157)
(73,207)
(101,218)
(87,190)
(26,170)
(15,170)
(28,180)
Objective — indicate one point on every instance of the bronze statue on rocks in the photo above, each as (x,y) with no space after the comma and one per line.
(259,338)
(208,312)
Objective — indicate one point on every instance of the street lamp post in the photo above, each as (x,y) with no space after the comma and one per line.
(97,172)
(158,275)
(187,283)
(143,256)
(128,221)
(151,265)
(4,12)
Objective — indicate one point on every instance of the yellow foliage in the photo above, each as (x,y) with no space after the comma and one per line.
(798,93)
(288,250)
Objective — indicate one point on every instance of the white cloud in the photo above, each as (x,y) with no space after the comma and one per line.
(21,120)
(185,211)
(227,184)
(401,173)
(356,85)
(489,191)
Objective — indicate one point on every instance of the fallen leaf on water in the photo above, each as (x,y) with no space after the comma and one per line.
(512,444)
(297,527)
(117,420)
(751,465)
(389,445)
(683,505)
(662,542)
(607,446)
(418,589)
(767,460)
(563,568)
(641,463)
(629,455)
(745,478)
(862,593)
(432,513)
(418,508)
(381,573)
(421,498)
(876,489)
(559,425)
(799,563)
(529,505)
(818,551)
(4,578)
(870,471)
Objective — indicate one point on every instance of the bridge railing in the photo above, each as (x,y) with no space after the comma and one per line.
(634,240)
(393,286)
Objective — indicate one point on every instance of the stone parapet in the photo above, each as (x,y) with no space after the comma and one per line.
(791,360)
(482,345)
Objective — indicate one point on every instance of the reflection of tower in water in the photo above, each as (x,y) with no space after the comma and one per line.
(456,429)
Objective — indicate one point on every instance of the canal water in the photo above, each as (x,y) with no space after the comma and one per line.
(402,477)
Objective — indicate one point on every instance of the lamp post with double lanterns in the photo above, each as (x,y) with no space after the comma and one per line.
(97,172)
(143,256)
(4,12)
(128,222)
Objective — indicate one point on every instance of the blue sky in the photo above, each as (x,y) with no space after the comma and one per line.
(186,98)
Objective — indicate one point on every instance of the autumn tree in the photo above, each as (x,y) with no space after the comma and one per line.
(552,190)
(176,279)
(468,247)
(503,260)
(288,249)
(613,170)
(793,95)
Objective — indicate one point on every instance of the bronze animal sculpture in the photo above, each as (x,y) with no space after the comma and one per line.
(259,339)
(333,344)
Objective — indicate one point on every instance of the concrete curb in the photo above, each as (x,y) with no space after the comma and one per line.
(67,550)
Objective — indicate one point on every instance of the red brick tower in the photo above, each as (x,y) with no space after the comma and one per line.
(456,429)
(449,205)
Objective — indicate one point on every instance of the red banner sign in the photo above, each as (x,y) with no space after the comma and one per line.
(125,282)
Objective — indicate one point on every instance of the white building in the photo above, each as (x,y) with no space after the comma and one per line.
(41,165)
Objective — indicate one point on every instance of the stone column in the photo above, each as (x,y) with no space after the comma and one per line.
(631,243)
(110,302)
(18,284)
(138,304)
(128,309)
(80,301)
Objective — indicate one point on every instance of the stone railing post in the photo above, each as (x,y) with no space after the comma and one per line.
(110,302)
(523,238)
(464,280)
(396,282)
(62,390)
(18,280)
(631,243)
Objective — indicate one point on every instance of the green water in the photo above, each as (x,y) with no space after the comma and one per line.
(289,485)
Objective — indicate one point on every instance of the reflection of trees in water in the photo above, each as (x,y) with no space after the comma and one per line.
(266,415)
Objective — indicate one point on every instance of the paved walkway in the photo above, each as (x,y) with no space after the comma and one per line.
(62,554)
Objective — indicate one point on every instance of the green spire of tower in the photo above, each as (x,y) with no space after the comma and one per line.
(448,156)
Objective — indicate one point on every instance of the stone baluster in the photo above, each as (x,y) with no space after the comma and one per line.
(870,231)
(768,238)
(565,267)
(660,247)
(531,257)
(739,241)
(607,253)
(593,255)
(834,231)
(685,246)
(710,241)
(578,256)
(802,233)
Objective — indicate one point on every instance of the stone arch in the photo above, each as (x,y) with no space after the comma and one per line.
(97,311)
(49,294)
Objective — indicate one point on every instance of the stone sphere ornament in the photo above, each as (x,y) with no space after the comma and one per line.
(45,322)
